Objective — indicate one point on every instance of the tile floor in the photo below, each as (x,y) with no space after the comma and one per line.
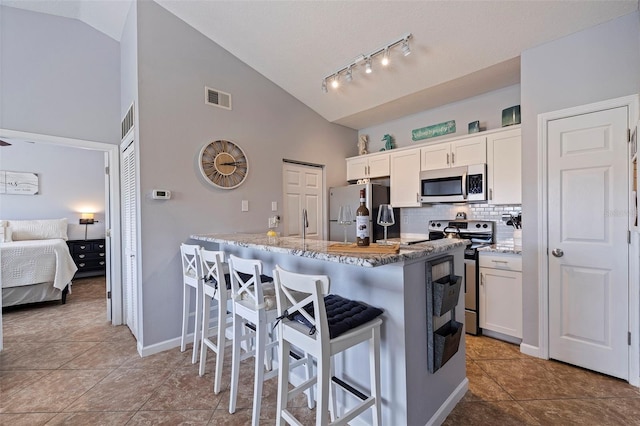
(64,364)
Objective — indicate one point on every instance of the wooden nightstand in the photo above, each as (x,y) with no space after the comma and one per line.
(89,256)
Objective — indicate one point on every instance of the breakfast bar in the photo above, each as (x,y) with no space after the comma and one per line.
(394,282)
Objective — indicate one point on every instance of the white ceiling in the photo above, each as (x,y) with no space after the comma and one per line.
(459,48)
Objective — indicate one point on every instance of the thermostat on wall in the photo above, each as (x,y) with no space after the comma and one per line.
(161,194)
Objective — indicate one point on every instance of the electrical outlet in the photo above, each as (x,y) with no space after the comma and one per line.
(274,221)
(405,220)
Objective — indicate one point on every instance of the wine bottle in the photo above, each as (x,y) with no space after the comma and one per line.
(362,222)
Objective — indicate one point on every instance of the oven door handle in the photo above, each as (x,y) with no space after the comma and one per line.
(464,185)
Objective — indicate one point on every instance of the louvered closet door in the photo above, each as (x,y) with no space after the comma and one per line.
(129,207)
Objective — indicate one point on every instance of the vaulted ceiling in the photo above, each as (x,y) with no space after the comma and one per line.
(459,48)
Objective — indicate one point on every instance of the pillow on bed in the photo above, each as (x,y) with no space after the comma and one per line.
(38,229)
(5,233)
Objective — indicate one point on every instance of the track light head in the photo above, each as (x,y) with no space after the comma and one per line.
(367,67)
(349,75)
(385,57)
(334,82)
(324,86)
(406,50)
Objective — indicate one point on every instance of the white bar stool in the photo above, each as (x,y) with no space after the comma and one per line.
(254,302)
(215,294)
(191,280)
(310,332)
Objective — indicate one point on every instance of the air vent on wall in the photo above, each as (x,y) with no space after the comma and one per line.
(127,123)
(217,98)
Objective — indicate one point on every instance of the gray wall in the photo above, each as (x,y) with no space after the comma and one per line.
(71,181)
(599,63)
(486,108)
(175,62)
(58,77)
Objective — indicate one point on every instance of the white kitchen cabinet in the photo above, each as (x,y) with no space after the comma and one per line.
(504,167)
(454,154)
(405,178)
(501,293)
(368,166)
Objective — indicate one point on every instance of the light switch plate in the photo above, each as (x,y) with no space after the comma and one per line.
(245,205)
(274,206)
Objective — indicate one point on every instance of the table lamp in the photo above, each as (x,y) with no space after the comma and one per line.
(86,219)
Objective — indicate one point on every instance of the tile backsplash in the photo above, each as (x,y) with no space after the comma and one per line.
(414,220)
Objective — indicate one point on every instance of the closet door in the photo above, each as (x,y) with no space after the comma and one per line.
(129,238)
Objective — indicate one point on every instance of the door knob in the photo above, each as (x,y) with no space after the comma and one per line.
(557,252)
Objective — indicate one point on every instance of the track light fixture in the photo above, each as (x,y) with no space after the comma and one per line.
(383,51)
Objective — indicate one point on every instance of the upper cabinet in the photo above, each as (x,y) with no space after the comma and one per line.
(504,167)
(369,166)
(405,178)
(454,154)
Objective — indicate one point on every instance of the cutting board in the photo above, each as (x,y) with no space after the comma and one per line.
(371,249)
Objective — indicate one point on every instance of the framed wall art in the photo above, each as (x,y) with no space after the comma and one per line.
(18,183)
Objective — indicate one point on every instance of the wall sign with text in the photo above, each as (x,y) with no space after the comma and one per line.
(434,130)
(18,183)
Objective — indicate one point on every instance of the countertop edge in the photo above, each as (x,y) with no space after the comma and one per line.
(317,249)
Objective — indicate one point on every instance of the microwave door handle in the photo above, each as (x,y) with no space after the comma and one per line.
(464,185)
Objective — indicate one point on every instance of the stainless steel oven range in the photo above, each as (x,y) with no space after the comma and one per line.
(481,233)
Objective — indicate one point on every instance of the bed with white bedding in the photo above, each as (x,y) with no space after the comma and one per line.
(34,270)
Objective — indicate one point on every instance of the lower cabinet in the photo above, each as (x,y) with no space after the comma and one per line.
(501,293)
(89,256)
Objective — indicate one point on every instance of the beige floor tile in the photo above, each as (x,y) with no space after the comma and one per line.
(486,348)
(107,355)
(41,356)
(53,392)
(503,413)
(25,419)
(585,411)
(13,381)
(171,418)
(93,419)
(482,387)
(122,390)
(183,390)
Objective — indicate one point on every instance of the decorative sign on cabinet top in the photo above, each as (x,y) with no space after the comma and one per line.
(434,130)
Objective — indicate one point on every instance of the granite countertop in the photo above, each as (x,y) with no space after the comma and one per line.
(504,246)
(318,249)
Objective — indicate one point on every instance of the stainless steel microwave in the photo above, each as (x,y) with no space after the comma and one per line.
(454,185)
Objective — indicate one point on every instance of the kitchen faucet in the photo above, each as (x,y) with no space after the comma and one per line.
(305,223)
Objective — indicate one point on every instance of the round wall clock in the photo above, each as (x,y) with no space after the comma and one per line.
(223,164)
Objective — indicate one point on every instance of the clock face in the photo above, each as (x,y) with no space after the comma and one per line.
(223,164)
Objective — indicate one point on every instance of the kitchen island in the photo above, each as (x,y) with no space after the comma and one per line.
(393,282)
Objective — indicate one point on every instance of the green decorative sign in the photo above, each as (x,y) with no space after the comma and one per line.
(434,130)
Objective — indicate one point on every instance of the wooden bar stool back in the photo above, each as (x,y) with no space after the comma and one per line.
(254,307)
(191,281)
(308,329)
(215,296)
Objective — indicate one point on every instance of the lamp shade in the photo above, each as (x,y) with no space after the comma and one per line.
(86,219)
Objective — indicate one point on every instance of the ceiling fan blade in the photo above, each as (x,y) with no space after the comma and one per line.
(4,143)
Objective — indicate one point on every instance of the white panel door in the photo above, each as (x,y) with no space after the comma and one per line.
(303,188)
(587,233)
(129,238)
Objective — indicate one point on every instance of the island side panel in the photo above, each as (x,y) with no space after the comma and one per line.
(428,392)
(382,286)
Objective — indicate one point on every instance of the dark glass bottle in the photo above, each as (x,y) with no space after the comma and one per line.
(362,222)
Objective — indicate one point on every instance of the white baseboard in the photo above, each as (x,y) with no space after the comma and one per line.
(449,404)
(162,346)
(530,350)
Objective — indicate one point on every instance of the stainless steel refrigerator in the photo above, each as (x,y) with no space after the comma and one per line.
(350,195)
